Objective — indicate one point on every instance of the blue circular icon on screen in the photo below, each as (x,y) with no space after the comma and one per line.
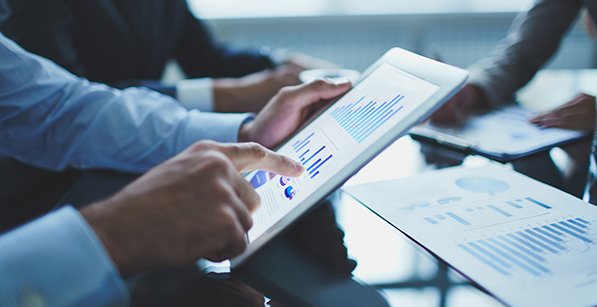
(289,192)
(284,181)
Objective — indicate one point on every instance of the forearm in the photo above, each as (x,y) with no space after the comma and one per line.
(533,38)
(132,130)
(51,119)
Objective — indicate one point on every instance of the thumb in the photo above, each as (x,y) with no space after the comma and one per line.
(318,90)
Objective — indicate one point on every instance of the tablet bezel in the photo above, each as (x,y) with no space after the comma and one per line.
(449,79)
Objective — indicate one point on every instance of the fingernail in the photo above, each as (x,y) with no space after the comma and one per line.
(299,167)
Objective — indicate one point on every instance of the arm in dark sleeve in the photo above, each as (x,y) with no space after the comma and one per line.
(532,40)
(51,119)
(45,28)
(201,55)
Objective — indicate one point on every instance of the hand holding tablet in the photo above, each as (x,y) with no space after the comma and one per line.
(395,93)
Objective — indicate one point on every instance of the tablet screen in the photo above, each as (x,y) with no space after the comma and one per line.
(335,138)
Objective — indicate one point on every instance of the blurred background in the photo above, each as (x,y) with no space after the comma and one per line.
(353,33)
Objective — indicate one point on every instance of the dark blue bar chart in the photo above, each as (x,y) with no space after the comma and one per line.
(311,154)
(363,117)
(529,250)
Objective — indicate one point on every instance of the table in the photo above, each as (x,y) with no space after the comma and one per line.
(340,254)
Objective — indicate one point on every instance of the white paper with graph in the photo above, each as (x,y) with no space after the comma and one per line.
(525,242)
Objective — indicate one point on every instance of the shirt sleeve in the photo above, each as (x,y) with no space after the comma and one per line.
(533,38)
(51,119)
(196,94)
(60,246)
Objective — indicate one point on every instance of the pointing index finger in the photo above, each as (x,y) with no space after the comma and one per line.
(252,156)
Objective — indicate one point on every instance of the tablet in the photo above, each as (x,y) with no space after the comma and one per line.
(398,91)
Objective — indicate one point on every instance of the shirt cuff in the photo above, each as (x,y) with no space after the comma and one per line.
(58,260)
(196,94)
(219,127)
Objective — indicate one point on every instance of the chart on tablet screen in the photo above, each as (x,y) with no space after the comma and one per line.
(337,137)
(361,118)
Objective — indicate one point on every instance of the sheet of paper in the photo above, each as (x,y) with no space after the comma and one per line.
(506,131)
(525,242)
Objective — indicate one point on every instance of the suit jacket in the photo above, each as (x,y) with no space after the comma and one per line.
(533,39)
(120,42)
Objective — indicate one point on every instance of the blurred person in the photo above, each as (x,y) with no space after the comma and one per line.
(532,40)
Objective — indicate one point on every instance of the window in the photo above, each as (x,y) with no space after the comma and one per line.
(213,9)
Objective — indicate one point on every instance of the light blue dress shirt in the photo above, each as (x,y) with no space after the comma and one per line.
(52,119)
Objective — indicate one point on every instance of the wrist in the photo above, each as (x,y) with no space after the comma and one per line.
(223,93)
(245,132)
(105,224)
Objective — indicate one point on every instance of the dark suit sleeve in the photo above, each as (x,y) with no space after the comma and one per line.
(201,55)
(533,39)
(45,28)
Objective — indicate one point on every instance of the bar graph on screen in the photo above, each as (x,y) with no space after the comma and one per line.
(364,116)
(313,153)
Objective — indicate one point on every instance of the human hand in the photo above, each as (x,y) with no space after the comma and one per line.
(576,114)
(288,110)
(252,92)
(192,206)
(469,100)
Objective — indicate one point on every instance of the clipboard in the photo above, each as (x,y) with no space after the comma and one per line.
(503,135)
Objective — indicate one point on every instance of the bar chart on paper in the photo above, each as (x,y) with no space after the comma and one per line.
(531,250)
(524,242)
(364,116)
(313,152)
